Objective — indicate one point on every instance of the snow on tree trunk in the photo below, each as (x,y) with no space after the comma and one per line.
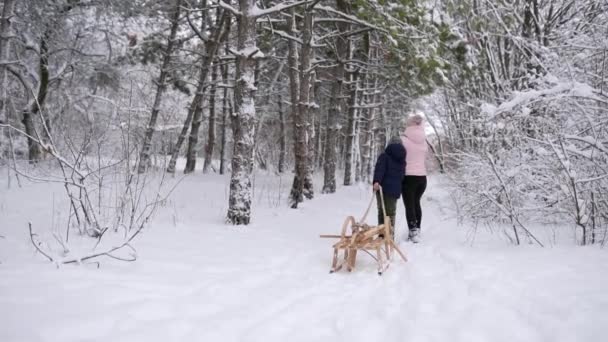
(243,119)
(299,124)
(309,191)
(357,142)
(380,129)
(368,116)
(211,134)
(308,106)
(144,156)
(368,135)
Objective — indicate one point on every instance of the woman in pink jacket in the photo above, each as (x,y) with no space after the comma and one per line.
(414,182)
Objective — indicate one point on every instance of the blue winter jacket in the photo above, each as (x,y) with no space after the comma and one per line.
(390,169)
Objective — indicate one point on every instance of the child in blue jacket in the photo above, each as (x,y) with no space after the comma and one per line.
(389,173)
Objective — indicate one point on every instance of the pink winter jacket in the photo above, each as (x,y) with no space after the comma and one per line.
(414,140)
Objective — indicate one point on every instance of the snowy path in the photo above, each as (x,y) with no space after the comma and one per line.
(199,280)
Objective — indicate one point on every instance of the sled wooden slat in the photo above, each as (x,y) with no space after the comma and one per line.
(364,237)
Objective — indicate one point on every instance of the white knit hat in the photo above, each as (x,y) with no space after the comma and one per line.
(415,120)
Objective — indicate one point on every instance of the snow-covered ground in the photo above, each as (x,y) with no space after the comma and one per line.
(197,279)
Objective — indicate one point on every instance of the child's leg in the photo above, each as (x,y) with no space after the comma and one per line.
(391,211)
(380,213)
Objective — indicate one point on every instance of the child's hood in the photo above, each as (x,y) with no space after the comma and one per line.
(396,151)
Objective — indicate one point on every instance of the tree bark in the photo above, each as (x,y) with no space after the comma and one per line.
(320,139)
(243,120)
(368,134)
(300,103)
(331,138)
(193,105)
(35,152)
(211,134)
(299,147)
(282,137)
(225,113)
(211,49)
(351,129)
(144,157)
(380,130)
(5,43)
(309,190)
(369,115)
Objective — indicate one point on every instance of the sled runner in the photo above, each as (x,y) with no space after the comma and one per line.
(357,235)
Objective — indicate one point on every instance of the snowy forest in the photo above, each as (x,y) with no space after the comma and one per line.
(167,167)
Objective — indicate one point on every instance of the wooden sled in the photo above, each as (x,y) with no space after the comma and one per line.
(357,236)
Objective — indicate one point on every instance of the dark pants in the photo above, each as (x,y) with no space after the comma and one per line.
(412,189)
(390,203)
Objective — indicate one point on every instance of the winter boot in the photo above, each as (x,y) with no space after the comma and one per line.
(414,235)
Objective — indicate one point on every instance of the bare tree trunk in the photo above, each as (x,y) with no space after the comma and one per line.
(35,153)
(180,140)
(357,157)
(357,141)
(593,217)
(299,129)
(283,137)
(211,134)
(5,33)
(331,133)
(318,144)
(225,114)
(333,128)
(243,120)
(211,49)
(351,129)
(302,120)
(198,93)
(144,157)
(35,107)
(225,111)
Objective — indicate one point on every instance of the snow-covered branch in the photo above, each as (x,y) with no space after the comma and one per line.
(229,8)
(257,12)
(351,18)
